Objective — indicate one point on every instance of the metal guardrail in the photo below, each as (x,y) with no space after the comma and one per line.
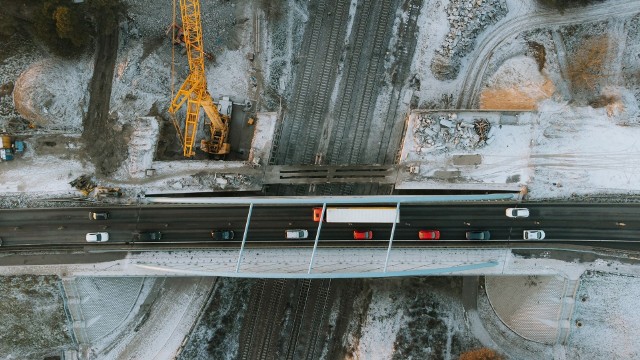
(331,200)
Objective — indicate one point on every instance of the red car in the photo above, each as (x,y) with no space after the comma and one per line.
(363,234)
(429,234)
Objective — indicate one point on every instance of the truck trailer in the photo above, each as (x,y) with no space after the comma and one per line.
(365,215)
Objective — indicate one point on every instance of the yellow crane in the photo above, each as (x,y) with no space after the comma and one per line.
(194,92)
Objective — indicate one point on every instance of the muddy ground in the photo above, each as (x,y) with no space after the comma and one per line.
(105,139)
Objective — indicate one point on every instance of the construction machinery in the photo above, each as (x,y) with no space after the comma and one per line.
(194,92)
(177,38)
(9,146)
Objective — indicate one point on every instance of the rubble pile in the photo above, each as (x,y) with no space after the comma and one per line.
(444,132)
(213,181)
(467,19)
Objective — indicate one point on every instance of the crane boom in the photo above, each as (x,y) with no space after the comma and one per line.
(194,92)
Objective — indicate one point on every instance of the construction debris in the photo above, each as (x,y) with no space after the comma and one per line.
(9,147)
(444,132)
(84,184)
(482,128)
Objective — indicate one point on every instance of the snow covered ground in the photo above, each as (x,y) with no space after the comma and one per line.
(605,322)
(556,152)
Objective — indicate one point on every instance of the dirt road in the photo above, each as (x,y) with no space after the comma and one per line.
(105,140)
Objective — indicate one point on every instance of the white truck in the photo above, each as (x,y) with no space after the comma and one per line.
(364,215)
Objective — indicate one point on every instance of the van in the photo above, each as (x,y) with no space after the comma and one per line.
(296,234)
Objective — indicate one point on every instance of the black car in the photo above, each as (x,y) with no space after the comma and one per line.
(478,235)
(220,235)
(103,215)
(147,236)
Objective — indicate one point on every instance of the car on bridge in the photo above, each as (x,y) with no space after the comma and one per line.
(147,236)
(99,215)
(533,234)
(222,235)
(97,237)
(429,234)
(478,235)
(362,234)
(296,234)
(517,213)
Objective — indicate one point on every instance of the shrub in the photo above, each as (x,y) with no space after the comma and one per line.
(481,354)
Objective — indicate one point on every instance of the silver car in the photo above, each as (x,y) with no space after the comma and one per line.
(533,234)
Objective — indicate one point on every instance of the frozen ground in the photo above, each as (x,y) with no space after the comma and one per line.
(217,331)
(419,318)
(557,151)
(33,318)
(605,322)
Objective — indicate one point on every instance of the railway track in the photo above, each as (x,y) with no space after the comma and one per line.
(318,319)
(301,305)
(275,301)
(362,121)
(257,336)
(326,81)
(340,127)
(406,44)
(350,111)
(359,89)
(308,110)
(302,86)
(249,326)
(309,319)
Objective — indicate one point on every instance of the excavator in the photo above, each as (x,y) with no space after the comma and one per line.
(194,91)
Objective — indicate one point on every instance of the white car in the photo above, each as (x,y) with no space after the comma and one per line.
(533,234)
(517,212)
(296,234)
(97,237)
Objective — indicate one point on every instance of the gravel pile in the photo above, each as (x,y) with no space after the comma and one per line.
(467,19)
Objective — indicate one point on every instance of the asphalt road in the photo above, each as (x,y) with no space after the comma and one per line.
(562,223)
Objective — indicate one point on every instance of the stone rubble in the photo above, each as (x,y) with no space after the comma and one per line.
(213,181)
(467,19)
(444,132)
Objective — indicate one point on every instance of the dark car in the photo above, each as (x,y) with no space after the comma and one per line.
(147,236)
(102,215)
(478,235)
(221,235)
